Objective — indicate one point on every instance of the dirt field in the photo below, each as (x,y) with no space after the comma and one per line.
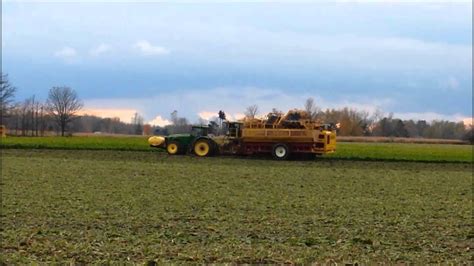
(111,206)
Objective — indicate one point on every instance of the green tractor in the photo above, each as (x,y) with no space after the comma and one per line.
(197,142)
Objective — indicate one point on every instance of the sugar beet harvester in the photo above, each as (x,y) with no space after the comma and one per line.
(278,134)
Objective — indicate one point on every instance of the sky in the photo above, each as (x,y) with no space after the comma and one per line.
(412,59)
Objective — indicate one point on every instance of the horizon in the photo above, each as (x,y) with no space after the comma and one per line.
(410,59)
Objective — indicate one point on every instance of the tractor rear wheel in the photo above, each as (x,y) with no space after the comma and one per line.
(280,151)
(173,148)
(202,148)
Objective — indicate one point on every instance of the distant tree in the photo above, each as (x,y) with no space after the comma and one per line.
(222,115)
(311,108)
(384,127)
(352,122)
(364,121)
(178,124)
(422,126)
(32,117)
(251,111)
(62,105)
(26,115)
(276,111)
(137,122)
(399,129)
(411,128)
(160,131)
(214,127)
(174,117)
(222,118)
(469,135)
(440,129)
(7,94)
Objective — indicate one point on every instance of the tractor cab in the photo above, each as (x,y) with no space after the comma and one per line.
(200,131)
(234,129)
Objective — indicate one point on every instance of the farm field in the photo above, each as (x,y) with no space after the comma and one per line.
(350,151)
(109,206)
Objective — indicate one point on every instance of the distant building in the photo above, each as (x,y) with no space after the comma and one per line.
(146,129)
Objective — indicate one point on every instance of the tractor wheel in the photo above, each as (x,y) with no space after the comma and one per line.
(202,148)
(173,148)
(280,151)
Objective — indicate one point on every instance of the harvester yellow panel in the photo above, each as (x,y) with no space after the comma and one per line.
(275,135)
(323,141)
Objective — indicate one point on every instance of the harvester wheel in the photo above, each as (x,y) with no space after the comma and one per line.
(202,148)
(173,148)
(280,151)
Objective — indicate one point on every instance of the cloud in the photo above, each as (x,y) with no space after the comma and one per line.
(207,115)
(124,114)
(102,48)
(238,116)
(232,100)
(468,121)
(147,48)
(451,84)
(66,53)
(159,121)
(430,116)
(211,115)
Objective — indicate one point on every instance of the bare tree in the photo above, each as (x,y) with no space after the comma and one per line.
(178,124)
(25,115)
(174,117)
(377,115)
(311,108)
(63,104)
(7,93)
(251,111)
(276,111)
(137,122)
(30,116)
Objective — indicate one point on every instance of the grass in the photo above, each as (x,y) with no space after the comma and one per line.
(404,152)
(401,140)
(77,143)
(139,207)
(352,151)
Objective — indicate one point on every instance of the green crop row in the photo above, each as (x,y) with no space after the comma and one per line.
(404,152)
(77,143)
(349,151)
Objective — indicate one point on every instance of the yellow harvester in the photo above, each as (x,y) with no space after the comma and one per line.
(278,134)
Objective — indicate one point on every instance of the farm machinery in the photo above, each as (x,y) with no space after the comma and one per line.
(278,134)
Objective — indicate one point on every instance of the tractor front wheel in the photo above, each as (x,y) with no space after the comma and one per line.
(173,148)
(202,148)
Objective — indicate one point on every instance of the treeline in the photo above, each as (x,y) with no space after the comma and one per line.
(29,118)
(58,114)
(358,123)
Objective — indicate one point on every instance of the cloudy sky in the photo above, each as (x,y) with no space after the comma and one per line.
(412,59)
